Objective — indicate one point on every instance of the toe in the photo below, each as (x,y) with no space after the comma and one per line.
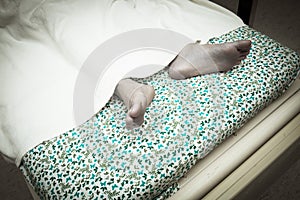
(138,121)
(244,53)
(135,110)
(242,57)
(238,62)
(134,122)
(138,104)
(243,45)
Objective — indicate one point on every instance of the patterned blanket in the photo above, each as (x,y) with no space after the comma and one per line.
(187,119)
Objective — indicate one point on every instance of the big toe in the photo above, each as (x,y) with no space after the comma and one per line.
(135,115)
(131,123)
(134,122)
(243,45)
(136,110)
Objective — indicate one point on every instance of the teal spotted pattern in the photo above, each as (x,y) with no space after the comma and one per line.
(101,159)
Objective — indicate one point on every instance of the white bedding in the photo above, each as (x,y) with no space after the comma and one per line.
(43,45)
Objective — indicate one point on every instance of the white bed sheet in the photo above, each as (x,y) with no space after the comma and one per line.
(43,45)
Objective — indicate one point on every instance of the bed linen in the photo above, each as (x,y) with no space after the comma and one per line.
(206,175)
(185,121)
(44,44)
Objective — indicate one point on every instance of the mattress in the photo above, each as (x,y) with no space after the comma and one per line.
(45,44)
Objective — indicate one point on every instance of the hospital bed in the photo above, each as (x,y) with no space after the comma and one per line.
(234,168)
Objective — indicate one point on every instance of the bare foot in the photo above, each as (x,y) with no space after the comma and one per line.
(137,98)
(195,59)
